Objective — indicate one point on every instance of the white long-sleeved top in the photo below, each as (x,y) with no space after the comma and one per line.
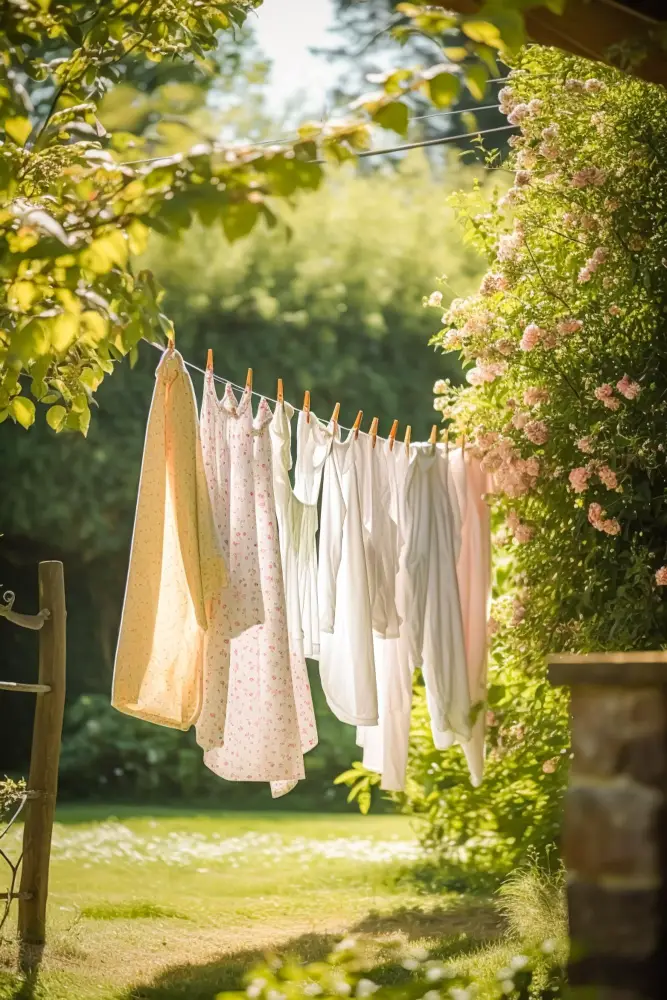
(177,570)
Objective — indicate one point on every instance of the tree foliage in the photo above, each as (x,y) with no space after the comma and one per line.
(79,199)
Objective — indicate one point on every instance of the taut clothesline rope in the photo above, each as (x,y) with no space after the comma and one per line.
(260,395)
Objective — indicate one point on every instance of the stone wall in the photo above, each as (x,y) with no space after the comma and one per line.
(615,824)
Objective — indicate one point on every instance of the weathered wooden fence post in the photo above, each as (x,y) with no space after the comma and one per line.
(44,759)
(615,823)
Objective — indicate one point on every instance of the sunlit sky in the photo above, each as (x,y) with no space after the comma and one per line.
(285,30)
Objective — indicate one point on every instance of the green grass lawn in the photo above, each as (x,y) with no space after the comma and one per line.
(163,904)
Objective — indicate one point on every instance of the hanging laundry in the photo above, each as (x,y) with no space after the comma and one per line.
(474,580)
(299,517)
(432,602)
(347,662)
(176,570)
(262,741)
(385,746)
(227,447)
(297,528)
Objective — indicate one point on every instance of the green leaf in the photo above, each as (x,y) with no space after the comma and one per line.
(481,30)
(23,411)
(239,220)
(18,129)
(392,116)
(443,89)
(56,416)
(476,77)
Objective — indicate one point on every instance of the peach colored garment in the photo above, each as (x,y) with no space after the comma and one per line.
(473,570)
(176,566)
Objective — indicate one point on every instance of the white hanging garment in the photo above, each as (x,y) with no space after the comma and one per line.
(227,446)
(297,528)
(380,534)
(313,441)
(176,566)
(474,580)
(385,746)
(432,603)
(347,663)
(261,733)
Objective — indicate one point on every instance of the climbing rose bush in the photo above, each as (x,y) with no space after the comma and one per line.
(565,402)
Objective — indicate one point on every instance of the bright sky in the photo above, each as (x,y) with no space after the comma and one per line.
(285,30)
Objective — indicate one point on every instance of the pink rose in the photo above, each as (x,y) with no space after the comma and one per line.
(611,526)
(533,396)
(579,479)
(536,431)
(605,394)
(608,477)
(531,337)
(661,576)
(568,326)
(628,388)
(585,444)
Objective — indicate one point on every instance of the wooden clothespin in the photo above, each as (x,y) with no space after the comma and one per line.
(279,394)
(209,360)
(335,415)
(434,434)
(408,437)
(357,423)
(374,430)
(306,404)
(392,435)
(248,380)
(171,344)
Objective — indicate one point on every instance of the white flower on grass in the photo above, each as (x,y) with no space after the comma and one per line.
(519,961)
(275,995)
(431,995)
(504,973)
(312,989)
(549,946)
(435,973)
(255,988)
(366,988)
(347,944)
(461,993)
(410,964)
(342,988)
(507,985)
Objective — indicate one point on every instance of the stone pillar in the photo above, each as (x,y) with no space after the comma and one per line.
(615,824)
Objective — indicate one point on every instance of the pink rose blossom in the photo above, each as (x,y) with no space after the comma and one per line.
(549,766)
(605,394)
(522,178)
(487,440)
(585,444)
(452,341)
(615,310)
(531,337)
(611,526)
(595,515)
(661,576)
(628,388)
(518,114)
(533,396)
(520,419)
(593,86)
(608,477)
(435,299)
(492,283)
(568,326)
(611,204)
(549,340)
(585,274)
(588,176)
(548,151)
(550,132)
(523,534)
(600,255)
(536,431)
(505,346)
(579,479)
(574,86)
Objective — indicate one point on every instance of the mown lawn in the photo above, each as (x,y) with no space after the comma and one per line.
(167,904)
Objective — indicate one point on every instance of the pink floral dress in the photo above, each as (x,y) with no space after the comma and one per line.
(262,741)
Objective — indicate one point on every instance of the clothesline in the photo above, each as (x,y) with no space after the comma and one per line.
(260,395)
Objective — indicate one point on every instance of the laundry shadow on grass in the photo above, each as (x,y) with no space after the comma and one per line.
(455,930)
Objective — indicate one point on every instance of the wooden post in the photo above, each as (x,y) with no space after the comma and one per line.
(44,759)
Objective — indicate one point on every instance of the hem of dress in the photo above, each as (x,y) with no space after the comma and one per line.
(154,717)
